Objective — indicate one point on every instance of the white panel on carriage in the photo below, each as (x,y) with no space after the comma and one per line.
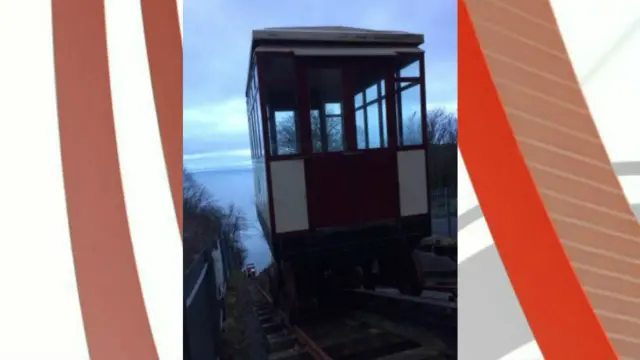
(412,178)
(289,193)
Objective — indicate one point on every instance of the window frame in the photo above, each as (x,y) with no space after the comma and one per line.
(413,81)
(390,139)
(381,98)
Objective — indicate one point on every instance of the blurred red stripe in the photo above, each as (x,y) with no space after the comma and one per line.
(564,323)
(113,309)
(164,49)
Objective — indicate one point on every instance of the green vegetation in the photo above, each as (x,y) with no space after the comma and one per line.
(234,335)
(204,220)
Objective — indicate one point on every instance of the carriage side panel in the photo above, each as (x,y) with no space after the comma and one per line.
(289,195)
(412,177)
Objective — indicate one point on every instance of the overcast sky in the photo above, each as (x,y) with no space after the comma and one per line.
(217,37)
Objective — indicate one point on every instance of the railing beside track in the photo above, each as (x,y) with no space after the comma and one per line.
(203,310)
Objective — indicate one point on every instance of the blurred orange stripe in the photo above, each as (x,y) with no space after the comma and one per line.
(547,288)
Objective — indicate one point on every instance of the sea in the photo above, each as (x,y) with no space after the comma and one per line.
(235,186)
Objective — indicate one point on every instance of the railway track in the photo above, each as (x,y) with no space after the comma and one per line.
(361,326)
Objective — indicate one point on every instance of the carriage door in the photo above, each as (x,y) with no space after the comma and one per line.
(352,167)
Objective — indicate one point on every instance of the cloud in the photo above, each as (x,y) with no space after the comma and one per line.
(216,119)
(217,37)
(240,158)
(243,153)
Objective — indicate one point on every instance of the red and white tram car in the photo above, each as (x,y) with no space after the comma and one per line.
(337,120)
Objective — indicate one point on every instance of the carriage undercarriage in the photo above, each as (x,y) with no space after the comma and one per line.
(303,280)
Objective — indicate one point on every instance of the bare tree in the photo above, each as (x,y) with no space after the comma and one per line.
(287,134)
(205,221)
(442,128)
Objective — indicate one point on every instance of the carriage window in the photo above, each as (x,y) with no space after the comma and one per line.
(333,115)
(250,123)
(258,117)
(371,118)
(315,130)
(278,85)
(326,110)
(358,100)
(383,120)
(286,132)
(260,139)
(409,112)
(373,128)
(361,133)
(252,131)
(411,69)
(372,92)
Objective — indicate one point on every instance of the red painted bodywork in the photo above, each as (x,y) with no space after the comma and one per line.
(352,187)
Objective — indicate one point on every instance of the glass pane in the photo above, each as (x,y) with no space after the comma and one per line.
(286,132)
(270,131)
(334,134)
(333,109)
(372,93)
(252,133)
(325,94)
(411,70)
(410,115)
(259,150)
(382,90)
(333,114)
(258,133)
(360,129)
(316,131)
(385,143)
(373,126)
(279,94)
(358,100)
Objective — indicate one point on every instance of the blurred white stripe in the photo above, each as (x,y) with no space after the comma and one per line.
(180,5)
(612,93)
(466,195)
(473,239)
(40,316)
(528,351)
(610,75)
(152,219)
(631,187)
(590,27)
(604,46)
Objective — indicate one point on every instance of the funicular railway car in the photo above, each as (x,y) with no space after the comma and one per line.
(337,120)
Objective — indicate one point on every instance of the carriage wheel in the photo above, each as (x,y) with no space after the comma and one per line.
(289,293)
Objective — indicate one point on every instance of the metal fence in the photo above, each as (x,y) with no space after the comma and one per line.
(203,309)
(444,211)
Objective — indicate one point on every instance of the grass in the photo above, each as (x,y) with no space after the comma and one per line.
(234,335)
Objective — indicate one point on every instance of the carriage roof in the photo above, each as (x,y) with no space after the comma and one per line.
(326,39)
